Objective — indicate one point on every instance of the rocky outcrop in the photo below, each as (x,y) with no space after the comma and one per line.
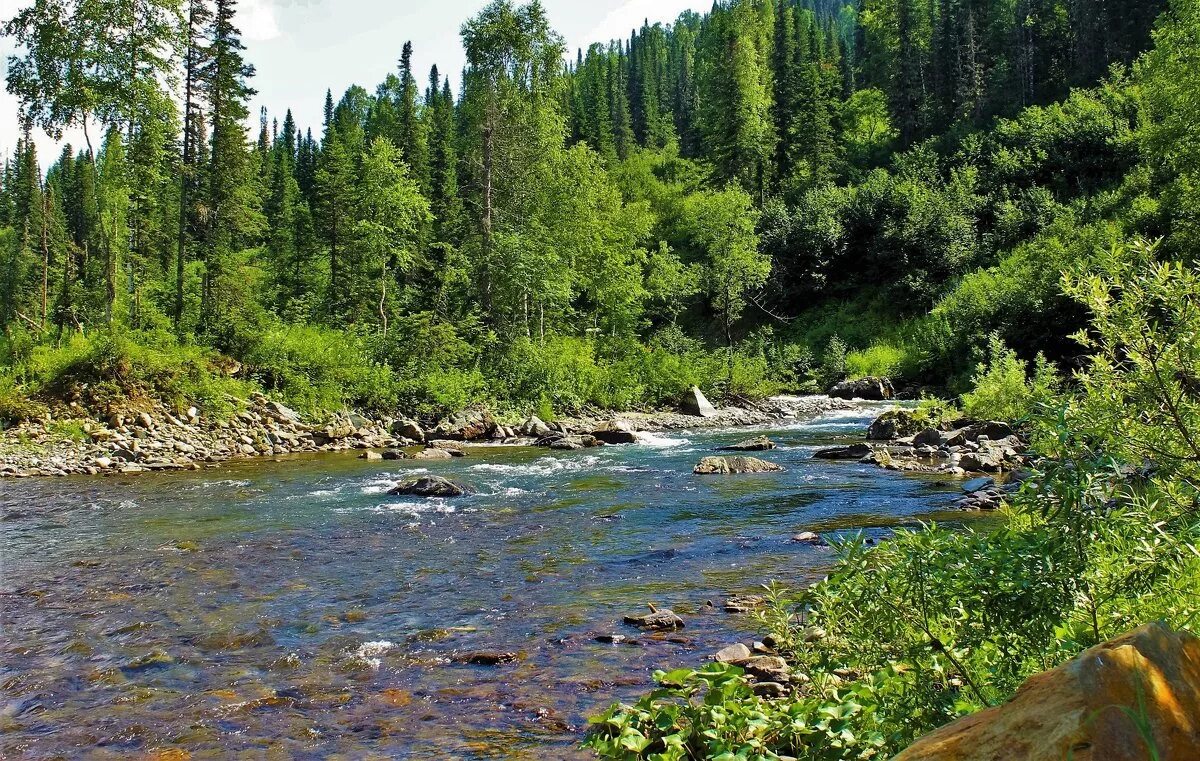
(957,447)
(696,404)
(733,465)
(870,389)
(1083,710)
(429,486)
(759,444)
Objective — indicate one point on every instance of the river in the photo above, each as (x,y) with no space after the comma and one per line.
(292,609)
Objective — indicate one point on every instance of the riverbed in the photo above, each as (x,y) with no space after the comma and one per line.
(294,608)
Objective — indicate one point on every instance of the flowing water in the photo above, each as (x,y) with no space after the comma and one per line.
(294,610)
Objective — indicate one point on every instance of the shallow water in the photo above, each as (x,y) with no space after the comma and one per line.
(294,610)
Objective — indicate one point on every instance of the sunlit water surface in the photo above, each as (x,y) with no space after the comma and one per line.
(294,610)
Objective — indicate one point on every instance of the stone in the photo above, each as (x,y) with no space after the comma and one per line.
(893,424)
(429,486)
(984,461)
(734,465)
(852,452)
(616,432)
(371,456)
(409,429)
(759,444)
(770,690)
(281,413)
(930,437)
(732,654)
(766,668)
(466,426)
(869,389)
(611,639)
(807,537)
(534,426)
(433,454)
(1078,710)
(977,484)
(656,620)
(696,404)
(489,657)
(567,444)
(395,454)
(144,420)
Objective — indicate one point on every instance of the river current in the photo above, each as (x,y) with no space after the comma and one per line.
(293,609)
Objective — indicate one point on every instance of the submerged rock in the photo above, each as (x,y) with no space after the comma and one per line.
(696,404)
(734,465)
(759,444)
(429,486)
(1079,710)
(852,452)
(489,657)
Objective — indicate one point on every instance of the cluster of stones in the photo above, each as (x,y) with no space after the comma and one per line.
(898,441)
(158,438)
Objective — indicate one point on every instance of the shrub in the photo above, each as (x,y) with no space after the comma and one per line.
(833,363)
(1003,389)
(880,359)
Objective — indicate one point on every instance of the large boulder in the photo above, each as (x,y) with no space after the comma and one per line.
(731,465)
(429,486)
(894,424)
(409,429)
(469,425)
(1082,709)
(616,432)
(696,404)
(871,389)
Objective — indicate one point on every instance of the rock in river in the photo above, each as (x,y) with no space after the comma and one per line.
(429,486)
(616,432)
(759,444)
(732,654)
(656,620)
(730,465)
(488,657)
(852,452)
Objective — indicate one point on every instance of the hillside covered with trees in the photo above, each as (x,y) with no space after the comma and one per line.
(768,196)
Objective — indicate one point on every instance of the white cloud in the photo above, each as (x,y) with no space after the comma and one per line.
(257,20)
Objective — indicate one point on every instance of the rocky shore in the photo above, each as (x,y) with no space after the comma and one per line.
(156,437)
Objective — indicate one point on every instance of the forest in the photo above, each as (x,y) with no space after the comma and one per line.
(765,197)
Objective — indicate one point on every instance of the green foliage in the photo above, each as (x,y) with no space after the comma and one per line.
(833,363)
(880,360)
(1003,388)
(318,370)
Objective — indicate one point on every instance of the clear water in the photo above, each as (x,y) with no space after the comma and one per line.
(294,610)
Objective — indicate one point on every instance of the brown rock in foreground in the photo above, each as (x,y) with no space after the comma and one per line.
(1079,710)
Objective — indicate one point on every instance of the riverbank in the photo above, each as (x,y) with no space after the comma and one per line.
(158,438)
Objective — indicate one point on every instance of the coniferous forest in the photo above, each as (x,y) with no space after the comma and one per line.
(762,197)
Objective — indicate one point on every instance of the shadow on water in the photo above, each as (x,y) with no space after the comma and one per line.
(295,608)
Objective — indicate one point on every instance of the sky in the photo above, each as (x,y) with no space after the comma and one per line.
(302,47)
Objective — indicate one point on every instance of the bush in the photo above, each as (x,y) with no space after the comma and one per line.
(320,370)
(1003,389)
(833,364)
(879,360)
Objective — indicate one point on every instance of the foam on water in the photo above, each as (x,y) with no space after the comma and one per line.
(545,466)
(660,441)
